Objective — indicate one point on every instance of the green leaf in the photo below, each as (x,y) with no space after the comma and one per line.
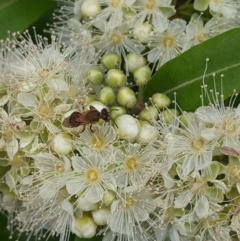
(184,74)
(17,15)
(4,170)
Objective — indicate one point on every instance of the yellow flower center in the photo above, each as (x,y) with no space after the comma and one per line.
(215,1)
(131,164)
(128,203)
(150,4)
(59,169)
(233,172)
(92,176)
(43,112)
(197,144)
(98,143)
(8,134)
(201,37)
(168,42)
(116,39)
(115,3)
(228,127)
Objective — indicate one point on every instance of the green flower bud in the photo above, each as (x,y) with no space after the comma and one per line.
(106,95)
(142,75)
(126,97)
(186,118)
(111,61)
(149,113)
(108,198)
(134,61)
(95,75)
(142,32)
(115,78)
(201,5)
(169,115)
(128,127)
(90,8)
(147,133)
(101,215)
(89,100)
(85,227)
(117,111)
(161,100)
(61,144)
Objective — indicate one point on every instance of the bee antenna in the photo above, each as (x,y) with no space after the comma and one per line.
(113,121)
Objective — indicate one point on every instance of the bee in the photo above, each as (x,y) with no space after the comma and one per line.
(91,116)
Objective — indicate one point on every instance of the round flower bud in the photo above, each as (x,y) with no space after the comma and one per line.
(169,115)
(95,75)
(90,8)
(89,100)
(149,113)
(126,97)
(106,95)
(111,61)
(134,61)
(85,205)
(186,118)
(97,105)
(62,144)
(142,32)
(161,100)
(128,127)
(116,78)
(108,198)
(117,111)
(101,215)
(147,134)
(142,75)
(85,227)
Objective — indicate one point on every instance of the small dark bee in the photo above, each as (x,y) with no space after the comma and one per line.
(91,116)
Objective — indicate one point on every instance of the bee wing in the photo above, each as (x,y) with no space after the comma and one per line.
(75,119)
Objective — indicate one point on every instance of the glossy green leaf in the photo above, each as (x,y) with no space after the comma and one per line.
(184,74)
(17,15)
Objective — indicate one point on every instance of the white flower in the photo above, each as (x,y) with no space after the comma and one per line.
(151,9)
(134,207)
(190,148)
(134,165)
(91,177)
(227,8)
(51,175)
(198,32)
(10,125)
(168,44)
(54,218)
(112,12)
(225,124)
(115,40)
(100,140)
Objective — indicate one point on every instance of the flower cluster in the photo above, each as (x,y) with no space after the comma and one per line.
(80,151)
(148,27)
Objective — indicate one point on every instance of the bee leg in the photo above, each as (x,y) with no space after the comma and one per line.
(83,128)
(91,129)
